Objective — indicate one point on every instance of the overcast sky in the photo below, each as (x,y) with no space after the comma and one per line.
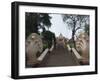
(58,26)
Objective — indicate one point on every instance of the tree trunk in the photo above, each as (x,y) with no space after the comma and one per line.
(73,40)
(73,33)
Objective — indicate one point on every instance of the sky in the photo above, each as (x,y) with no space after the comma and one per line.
(59,27)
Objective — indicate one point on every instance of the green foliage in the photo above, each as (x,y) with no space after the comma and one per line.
(86,29)
(31,23)
(71,44)
(48,37)
(45,46)
(45,20)
(75,22)
(35,21)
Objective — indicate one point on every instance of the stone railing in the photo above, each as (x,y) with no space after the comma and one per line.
(34,48)
(80,58)
(69,48)
(76,54)
(41,57)
(51,49)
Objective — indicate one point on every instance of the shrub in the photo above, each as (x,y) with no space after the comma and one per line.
(48,37)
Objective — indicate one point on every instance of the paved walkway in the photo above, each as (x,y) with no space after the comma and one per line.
(60,56)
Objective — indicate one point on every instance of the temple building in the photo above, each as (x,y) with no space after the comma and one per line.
(61,39)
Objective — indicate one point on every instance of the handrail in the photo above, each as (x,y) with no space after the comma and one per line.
(51,48)
(76,53)
(41,57)
(69,48)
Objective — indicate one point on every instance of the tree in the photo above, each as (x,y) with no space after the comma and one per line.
(44,21)
(49,37)
(31,23)
(36,21)
(86,29)
(75,22)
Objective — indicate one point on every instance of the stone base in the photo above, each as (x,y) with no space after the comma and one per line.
(84,62)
